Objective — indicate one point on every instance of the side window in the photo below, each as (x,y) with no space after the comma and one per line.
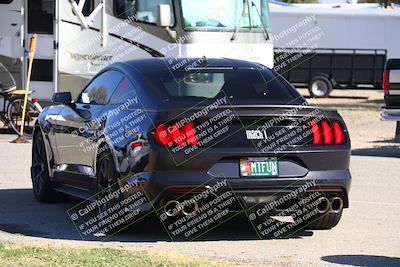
(100,90)
(125,93)
(142,10)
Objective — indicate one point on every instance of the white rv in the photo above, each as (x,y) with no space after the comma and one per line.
(76,38)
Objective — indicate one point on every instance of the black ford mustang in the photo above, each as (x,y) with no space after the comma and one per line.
(178,130)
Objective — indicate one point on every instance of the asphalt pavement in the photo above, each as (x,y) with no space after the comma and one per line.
(367,235)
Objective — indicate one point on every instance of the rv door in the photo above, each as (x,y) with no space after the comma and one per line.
(39,19)
(11,43)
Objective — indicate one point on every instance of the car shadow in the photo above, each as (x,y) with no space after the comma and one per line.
(362,260)
(22,215)
(390,140)
(376,101)
(391,151)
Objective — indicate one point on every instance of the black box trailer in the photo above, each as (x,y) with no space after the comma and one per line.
(324,69)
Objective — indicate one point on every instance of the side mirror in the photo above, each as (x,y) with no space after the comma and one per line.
(63,97)
(164,15)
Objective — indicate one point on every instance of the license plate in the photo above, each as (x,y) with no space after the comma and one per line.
(259,167)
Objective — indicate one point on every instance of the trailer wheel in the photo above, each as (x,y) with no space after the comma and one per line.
(320,86)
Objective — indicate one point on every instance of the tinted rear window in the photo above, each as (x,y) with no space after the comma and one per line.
(239,85)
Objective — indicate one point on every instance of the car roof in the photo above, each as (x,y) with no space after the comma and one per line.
(154,64)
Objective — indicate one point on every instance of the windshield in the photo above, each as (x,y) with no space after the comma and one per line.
(225,14)
(238,85)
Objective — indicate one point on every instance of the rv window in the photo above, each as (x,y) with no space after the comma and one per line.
(43,9)
(5,1)
(42,70)
(227,15)
(142,10)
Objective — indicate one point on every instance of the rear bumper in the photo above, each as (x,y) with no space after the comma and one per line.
(160,186)
(390,113)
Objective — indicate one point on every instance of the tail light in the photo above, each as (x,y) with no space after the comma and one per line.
(136,145)
(316,131)
(175,134)
(161,135)
(385,83)
(338,132)
(327,133)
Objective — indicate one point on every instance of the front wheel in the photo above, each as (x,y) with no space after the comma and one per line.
(41,185)
(14,115)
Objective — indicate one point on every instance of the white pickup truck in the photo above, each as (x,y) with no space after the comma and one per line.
(391,88)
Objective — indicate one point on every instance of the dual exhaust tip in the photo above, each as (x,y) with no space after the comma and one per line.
(334,205)
(173,207)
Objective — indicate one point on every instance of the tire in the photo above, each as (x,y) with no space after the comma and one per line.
(320,86)
(397,134)
(324,222)
(14,115)
(107,183)
(41,184)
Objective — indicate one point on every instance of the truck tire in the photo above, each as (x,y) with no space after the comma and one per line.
(324,222)
(320,86)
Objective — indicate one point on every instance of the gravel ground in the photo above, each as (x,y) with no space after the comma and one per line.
(356,98)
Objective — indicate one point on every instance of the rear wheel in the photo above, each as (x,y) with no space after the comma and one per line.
(107,185)
(106,180)
(325,221)
(41,185)
(14,114)
(320,86)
